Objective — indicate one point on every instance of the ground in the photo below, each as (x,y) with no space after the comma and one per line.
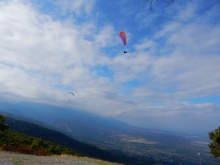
(10,158)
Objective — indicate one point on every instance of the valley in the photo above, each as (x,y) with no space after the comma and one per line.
(168,149)
(132,144)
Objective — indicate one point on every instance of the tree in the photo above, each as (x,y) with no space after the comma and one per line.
(215,144)
(3,127)
(150,2)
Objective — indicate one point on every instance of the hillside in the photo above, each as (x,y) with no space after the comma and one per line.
(52,135)
(22,143)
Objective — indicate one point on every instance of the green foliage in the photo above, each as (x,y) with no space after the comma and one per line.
(19,142)
(51,135)
(215,144)
(15,141)
(77,148)
(3,127)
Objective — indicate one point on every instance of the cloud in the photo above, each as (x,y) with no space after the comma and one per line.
(187,59)
(182,117)
(104,37)
(182,63)
(56,52)
(44,55)
(76,6)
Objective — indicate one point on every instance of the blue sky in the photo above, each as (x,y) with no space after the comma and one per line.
(169,79)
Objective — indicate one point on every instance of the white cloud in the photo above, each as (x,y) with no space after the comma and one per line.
(198,118)
(104,37)
(184,66)
(42,58)
(56,51)
(187,61)
(76,6)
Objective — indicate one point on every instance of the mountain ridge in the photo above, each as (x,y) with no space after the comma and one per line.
(77,122)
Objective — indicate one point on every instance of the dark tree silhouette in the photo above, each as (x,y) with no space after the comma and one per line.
(3,126)
(150,2)
(215,144)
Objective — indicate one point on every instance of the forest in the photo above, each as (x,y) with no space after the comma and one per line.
(19,142)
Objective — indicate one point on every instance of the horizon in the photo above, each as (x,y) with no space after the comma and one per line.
(22,107)
(168,79)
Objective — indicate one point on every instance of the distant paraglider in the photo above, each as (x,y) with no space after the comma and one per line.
(71,94)
(123,38)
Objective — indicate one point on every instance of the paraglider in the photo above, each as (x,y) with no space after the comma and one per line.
(123,38)
(71,94)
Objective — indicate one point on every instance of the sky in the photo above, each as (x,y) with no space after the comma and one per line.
(168,80)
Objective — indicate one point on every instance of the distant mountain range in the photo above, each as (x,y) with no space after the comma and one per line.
(137,145)
(79,124)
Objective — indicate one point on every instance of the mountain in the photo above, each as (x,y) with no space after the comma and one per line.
(76,123)
(117,137)
(52,135)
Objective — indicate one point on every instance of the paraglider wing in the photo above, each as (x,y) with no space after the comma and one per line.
(123,37)
(71,93)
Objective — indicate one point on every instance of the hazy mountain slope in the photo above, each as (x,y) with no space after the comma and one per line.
(78,124)
(45,133)
(27,119)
